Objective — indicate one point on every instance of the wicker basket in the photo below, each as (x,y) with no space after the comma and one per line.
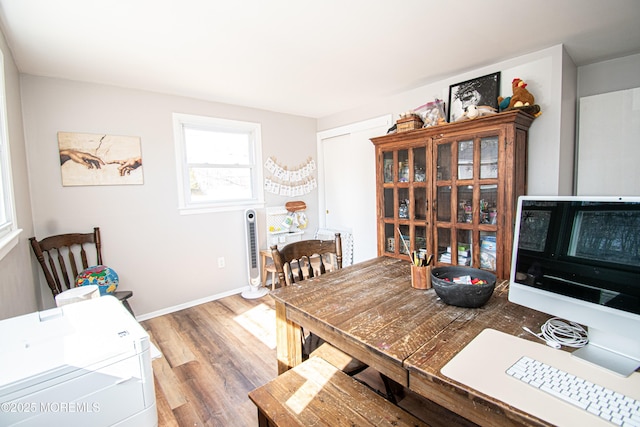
(409,123)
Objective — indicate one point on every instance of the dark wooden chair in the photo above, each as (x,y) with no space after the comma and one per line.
(61,265)
(305,259)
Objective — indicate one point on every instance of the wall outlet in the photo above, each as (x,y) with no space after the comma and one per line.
(221,262)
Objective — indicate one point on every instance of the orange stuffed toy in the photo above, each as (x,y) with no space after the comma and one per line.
(521,98)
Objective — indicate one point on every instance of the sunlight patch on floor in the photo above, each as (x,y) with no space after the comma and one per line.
(260,321)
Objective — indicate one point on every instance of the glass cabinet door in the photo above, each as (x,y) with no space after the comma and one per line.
(466,197)
(405,200)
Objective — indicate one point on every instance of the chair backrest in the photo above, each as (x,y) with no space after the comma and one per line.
(301,260)
(58,257)
(346,236)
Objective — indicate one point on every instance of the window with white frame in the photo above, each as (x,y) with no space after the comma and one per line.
(8,228)
(218,162)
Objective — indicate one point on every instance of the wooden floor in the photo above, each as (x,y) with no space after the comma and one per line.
(213,354)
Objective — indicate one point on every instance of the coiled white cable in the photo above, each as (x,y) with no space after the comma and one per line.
(565,332)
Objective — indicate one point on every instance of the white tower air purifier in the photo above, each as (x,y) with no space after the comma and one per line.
(253,254)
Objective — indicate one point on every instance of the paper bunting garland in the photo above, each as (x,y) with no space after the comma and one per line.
(290,183)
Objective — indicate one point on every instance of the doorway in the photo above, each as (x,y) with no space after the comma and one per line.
(347,182)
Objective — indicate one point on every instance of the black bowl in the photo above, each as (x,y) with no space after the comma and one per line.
(462,295)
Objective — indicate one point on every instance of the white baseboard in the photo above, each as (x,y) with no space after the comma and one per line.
(188,304)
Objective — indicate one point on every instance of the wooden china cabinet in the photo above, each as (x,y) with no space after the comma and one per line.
(451,190)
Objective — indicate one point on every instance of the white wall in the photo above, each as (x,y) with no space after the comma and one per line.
(609,126)
(17,278)
(609,76)
(550,75)
(165,258)
(608,137)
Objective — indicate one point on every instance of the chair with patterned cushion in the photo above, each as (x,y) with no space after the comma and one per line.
(346,237)
(63,256)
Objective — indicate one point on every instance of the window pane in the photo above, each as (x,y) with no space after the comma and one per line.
(217,163)
(488,250)
(388,166)
(211,147)
(219,184)
(488,204)
(534,229)
(7,223)
(388,203)
(420,206)
(464,244)
(419,164)
(489,157)
(4,208)
(404,237)
(444,162)
(389,238)
(465,160)
(443,198)
(403,203)
(608,236)
(421,239)
(465,203)
(403,165)
(444,245)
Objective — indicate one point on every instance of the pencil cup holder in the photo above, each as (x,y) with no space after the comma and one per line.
(420,277)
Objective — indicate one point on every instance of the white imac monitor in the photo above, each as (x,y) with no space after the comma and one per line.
(578,258)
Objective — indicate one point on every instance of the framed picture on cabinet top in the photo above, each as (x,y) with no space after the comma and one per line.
(479,91)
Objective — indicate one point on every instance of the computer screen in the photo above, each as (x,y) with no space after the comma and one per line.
(578,258)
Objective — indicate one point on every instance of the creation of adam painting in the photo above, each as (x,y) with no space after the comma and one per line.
(99,159)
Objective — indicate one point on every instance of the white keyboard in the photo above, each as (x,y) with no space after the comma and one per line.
(609,405)
(482,364)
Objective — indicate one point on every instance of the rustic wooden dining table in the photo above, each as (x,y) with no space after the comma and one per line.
(370,311)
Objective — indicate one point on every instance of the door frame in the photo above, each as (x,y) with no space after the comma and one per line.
(381,121)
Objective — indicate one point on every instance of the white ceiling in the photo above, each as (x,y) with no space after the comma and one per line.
(309,58)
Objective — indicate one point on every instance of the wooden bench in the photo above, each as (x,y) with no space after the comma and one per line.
(319,394)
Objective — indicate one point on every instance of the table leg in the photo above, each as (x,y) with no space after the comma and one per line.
(288,340)
(263,271)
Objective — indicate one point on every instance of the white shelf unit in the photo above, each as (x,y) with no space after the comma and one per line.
(277,233)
